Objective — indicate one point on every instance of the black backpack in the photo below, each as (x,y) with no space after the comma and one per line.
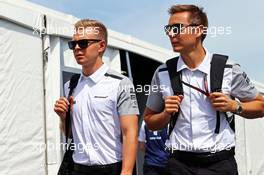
(67,163)
(218,64)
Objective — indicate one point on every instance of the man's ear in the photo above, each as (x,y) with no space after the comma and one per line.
(102,46)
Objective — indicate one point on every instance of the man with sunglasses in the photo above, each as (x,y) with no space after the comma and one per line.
(103,106)
(196,147)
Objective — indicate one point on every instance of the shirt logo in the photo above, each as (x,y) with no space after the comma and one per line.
(246,78)
(132,94)
(155,133)
(100,96)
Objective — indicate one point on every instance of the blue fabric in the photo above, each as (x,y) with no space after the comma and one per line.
(155,153)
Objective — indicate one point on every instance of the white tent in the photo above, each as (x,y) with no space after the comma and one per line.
(35,62)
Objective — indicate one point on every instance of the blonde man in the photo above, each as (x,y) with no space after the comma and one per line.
(104,108)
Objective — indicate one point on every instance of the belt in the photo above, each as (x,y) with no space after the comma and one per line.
(203,158)
(85,168)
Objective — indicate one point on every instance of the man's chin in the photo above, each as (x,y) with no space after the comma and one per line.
(177,49)
(80,62)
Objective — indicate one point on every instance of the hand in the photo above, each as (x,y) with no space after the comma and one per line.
(61,106)
(221,102)
(172,104)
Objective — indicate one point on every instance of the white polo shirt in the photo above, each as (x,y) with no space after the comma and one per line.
(194,129)
(99,100)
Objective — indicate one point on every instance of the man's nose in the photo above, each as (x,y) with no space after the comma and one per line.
(77,47)
(172,34)
(173,38)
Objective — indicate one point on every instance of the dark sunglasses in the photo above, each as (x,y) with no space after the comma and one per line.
(83,43)
(176,28)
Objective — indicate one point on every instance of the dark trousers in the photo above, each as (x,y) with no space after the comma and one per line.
(223,167)
(110,169)
(154,170)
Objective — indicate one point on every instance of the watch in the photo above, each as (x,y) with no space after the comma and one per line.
(239,108)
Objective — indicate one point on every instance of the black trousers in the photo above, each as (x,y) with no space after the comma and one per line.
(154,170)
(223,167)
(111,169)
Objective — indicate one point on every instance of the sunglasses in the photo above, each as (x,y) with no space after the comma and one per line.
(83,43)
(176,28)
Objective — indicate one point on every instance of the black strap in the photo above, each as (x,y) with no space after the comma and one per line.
(73,84)
(218,64)
(176,85)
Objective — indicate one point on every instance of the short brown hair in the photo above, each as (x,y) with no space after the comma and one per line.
(84,23)
(198,16)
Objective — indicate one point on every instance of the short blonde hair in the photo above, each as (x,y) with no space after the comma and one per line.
(84,23)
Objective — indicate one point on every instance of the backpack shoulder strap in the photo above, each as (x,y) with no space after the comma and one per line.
(218,65)
(73,83)
(176,86)
(175,78)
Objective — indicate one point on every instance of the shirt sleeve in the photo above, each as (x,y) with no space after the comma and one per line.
(126,100)
(142,134)
(241,86)
(155,100)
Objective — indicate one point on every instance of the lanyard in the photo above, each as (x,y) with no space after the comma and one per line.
(205,92)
